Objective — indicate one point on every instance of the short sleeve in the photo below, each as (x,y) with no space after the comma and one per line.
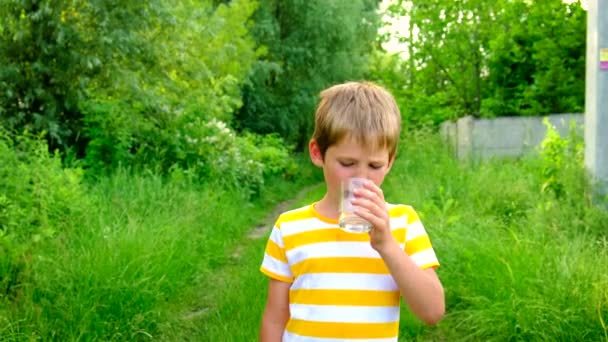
(275,264)
(417,242)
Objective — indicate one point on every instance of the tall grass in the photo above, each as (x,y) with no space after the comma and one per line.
(146,258)
(136,257)
(518,263)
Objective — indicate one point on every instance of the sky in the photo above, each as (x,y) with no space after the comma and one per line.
(397,26)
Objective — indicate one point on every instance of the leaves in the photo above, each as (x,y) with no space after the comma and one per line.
(310,45)
(492,58)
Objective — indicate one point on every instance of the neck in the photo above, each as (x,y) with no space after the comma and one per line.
(328,206)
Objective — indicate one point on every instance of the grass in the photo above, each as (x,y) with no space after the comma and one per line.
(518,264)
(152,259)
(137,256)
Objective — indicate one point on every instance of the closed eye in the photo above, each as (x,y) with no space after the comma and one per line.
(346,164)
(376,166)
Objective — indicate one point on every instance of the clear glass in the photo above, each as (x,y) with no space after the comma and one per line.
(348,220)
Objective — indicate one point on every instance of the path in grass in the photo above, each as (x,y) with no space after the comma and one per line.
(263,229)
(230,305)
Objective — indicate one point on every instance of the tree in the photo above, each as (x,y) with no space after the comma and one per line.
(483,58)
(49,53)
(116,82)
(310,45)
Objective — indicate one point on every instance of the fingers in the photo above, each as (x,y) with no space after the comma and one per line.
(372,193)
(370,205)
(377,221)
(370,186)
(370,200)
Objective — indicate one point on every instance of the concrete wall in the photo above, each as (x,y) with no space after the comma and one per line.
(504,136)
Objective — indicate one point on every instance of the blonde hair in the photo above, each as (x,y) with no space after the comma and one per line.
(362,111)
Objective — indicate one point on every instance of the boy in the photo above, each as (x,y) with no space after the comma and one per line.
(329,285)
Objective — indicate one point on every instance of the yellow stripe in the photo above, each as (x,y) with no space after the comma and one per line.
(399,234)
(433,264)
(321,235)
(297,214)
(343,330)
(276,276)
(344,297)
(398,211)
(340,265)
(401,210)
(412,216)
(275,251)
(418,244)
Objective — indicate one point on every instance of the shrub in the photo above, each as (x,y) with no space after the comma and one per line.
(214,151)
(559,156)
(39,199)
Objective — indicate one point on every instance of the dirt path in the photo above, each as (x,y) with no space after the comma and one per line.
(204,305)
(263,229)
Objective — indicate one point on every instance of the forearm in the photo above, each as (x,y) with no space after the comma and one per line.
(272,330)
(274,321)
(421,290)
(276,313)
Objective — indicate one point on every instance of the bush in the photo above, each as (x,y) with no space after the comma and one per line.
(214,151)
(39,199)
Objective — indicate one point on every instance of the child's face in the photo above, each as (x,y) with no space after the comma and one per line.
(349,158)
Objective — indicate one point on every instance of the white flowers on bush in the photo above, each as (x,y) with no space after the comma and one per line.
(236,160)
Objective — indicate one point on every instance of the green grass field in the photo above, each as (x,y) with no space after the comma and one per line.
(166,260)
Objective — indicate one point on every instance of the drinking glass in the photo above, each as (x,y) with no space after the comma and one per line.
(349,221)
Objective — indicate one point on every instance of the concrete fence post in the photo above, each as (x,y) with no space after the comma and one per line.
(464,137)
(596,94)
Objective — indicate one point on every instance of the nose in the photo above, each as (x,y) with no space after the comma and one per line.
(361,172)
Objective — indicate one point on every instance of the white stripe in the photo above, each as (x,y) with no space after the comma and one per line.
(424,257)
(289,337)
(345,281)
(398,222)
(276,266)
(361,249)
(344,314)
(276,237)
(414,230)
(304,225)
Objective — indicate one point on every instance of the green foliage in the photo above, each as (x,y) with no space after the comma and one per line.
(109,81)
(559,155)
(142,254)
(39,200)
(214,151)
(309,45)
(499,58)
(50,51)
(537,60)
(144,83)
(513,257)
(418,109)
(201,55)
(512,270)
(137,260)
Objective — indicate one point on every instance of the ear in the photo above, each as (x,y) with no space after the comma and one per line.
(315,153)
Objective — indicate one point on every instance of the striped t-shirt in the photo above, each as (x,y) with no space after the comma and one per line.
(341,289)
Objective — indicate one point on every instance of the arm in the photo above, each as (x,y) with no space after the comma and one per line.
(421,289)
(276,312)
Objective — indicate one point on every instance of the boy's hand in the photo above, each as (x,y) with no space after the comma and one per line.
(372,207)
